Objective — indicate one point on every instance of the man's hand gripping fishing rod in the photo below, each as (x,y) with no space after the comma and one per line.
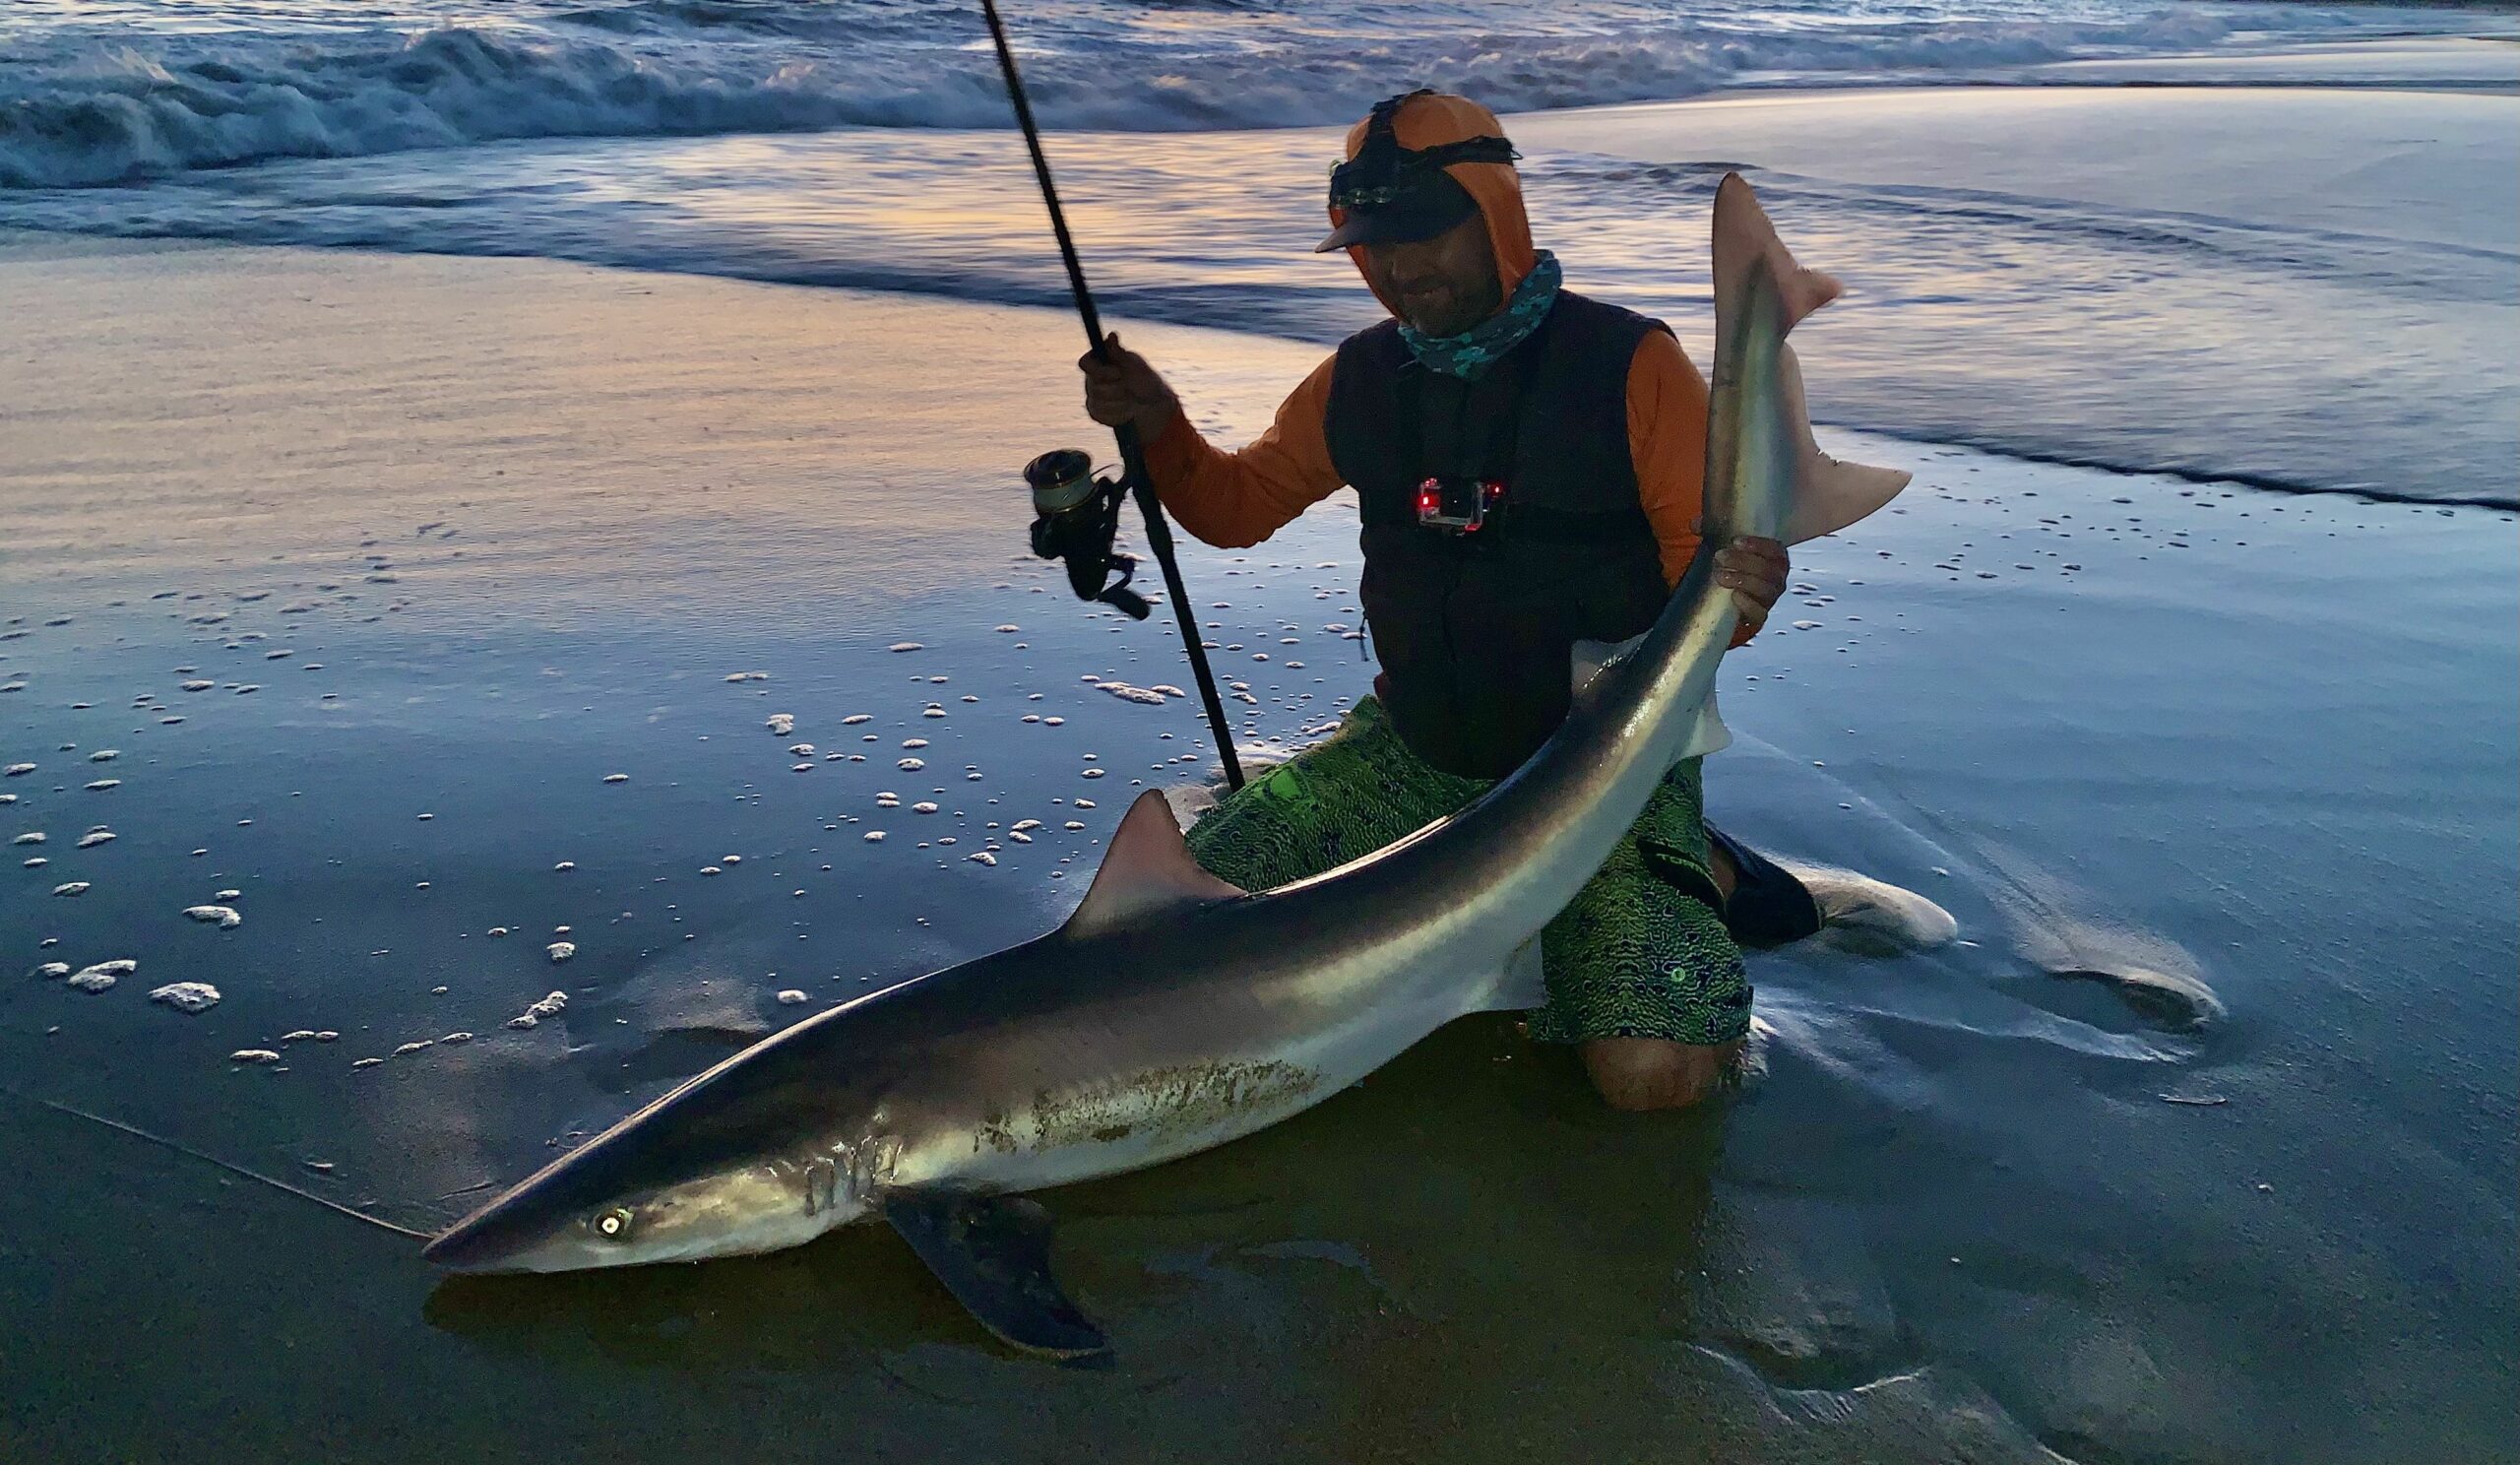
(1079,513)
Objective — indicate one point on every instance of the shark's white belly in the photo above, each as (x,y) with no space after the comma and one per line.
(1088,1125)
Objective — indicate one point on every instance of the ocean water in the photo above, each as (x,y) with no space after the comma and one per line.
(101,93)
(866,144)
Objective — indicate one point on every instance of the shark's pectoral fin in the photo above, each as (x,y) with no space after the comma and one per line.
(992,1253)
(1147,873)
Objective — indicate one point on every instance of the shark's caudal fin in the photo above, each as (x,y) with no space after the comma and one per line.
(1147,873)
(1828,495)
(1745,240)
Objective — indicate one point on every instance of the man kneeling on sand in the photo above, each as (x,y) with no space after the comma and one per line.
(1529,464)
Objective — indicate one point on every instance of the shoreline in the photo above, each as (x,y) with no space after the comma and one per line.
(2032,270)
(23,246)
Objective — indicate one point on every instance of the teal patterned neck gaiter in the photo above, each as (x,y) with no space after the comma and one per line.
(1469,355)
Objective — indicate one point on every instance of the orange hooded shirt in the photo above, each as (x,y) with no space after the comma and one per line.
(1239,498)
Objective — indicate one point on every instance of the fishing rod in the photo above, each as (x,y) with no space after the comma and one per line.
(1080,513)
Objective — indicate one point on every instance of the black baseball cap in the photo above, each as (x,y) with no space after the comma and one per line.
(1430,202)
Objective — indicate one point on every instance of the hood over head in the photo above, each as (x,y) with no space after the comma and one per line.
(1431,119)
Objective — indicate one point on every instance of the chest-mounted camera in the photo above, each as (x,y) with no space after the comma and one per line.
(1457,506)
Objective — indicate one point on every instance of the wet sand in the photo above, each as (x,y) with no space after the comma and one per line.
(520,527)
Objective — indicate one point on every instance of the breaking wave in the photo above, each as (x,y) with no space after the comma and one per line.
(91,104)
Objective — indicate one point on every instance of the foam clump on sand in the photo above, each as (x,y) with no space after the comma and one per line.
(223,916)
(187,997)
(101,975)
(550,1006)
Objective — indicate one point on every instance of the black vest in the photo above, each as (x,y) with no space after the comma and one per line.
(1474,631)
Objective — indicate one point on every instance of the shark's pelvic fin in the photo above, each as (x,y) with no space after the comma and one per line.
(1147,872)
(1520,987)
(992,1253)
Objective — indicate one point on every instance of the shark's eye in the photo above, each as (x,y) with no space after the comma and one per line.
(614,1224)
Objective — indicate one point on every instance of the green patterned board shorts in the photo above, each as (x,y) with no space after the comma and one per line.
(1631,956)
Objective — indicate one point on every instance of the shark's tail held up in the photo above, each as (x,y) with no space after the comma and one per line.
(1827,495)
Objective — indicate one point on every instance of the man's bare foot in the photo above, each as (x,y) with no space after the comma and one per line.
(1719,863)
(1649,1073)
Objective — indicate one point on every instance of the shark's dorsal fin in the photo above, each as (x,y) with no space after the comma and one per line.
(1147,872)
(1591,656)
(1828,495)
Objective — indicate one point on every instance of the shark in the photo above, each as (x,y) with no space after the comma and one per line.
(1173,1013)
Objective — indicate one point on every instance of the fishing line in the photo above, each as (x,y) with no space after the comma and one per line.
(229,1165)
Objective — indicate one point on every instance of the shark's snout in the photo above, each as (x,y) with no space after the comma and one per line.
(487,1241)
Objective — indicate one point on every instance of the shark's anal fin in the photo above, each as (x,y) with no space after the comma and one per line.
(1147,873)
(992,1253)
(1707,735)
